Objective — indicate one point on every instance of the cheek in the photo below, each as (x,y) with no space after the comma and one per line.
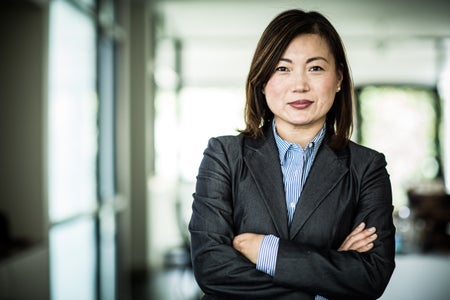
(327,95)
(328,90)
(273,90)
(329,85)
(327,103)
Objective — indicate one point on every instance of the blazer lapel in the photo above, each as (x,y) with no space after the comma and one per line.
(325,173)
(263,163)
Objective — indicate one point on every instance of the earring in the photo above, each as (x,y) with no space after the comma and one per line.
(339,89)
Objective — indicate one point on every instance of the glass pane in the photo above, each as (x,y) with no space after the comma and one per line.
(72,260)
(184,124)
(72,112)
(400,122)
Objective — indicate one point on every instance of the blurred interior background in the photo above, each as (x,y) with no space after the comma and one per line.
(107,105)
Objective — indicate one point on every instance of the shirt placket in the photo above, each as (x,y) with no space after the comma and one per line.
(295,170)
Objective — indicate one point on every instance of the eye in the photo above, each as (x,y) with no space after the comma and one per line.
(316,69)
(281,69)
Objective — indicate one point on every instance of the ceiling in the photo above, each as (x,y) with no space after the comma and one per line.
(395,41)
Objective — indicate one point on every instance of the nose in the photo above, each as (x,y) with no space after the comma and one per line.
(300,82)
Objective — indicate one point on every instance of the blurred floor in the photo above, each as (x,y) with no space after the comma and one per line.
(416,277)
(171,284)
(174,282)
(420,277)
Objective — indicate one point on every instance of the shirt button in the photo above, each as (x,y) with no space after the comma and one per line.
(292,204)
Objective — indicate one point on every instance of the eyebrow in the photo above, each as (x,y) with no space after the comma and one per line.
(307,61)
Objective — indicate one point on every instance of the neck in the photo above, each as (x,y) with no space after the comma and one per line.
(300,135)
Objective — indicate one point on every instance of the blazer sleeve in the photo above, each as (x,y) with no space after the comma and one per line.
(219,269)
(348,274)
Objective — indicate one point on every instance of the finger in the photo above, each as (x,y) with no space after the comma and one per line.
(364,242)
(360,236)
(365,248)
(241,241)
(358,228)
(357,240)
(355,231)
(238,242)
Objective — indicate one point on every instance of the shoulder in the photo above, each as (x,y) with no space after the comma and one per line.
(239,142)
(226,143)
(225,148)
(233,147)
(362,157)
(360,150)
(224,153)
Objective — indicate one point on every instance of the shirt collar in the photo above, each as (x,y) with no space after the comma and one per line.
(283,145)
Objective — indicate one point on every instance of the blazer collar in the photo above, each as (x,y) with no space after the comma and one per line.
(262,159)
(328,169)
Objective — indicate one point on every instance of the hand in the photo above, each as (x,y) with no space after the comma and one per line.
(248,244)
(359,239)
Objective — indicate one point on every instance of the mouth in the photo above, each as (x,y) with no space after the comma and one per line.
(300,104)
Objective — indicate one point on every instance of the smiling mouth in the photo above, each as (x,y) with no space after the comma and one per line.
(300,104)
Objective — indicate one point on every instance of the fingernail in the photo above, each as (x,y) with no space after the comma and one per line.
(361,225)
(371,229)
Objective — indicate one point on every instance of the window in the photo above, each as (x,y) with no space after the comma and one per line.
(72,152)
(73,260)
(402,123)
(72,112)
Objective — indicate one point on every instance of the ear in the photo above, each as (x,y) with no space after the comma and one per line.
(340,77)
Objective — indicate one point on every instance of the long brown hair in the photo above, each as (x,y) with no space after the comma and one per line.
(271,46)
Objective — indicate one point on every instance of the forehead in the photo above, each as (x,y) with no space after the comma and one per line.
(308,44)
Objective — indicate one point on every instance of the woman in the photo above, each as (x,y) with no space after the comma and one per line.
(288,208)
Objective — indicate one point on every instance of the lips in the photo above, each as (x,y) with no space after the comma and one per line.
(300,104)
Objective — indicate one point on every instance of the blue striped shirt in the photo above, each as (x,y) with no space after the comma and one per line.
(295,163)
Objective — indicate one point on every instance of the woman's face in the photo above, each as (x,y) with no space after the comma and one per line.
(302,88)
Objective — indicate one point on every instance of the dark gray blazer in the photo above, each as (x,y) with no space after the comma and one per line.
(240,189)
